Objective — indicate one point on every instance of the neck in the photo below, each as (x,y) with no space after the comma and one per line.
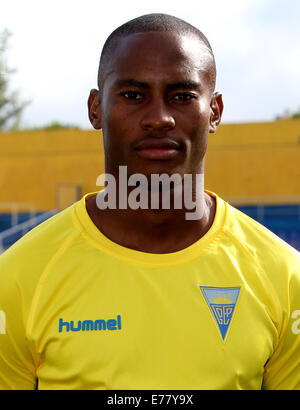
(154,230)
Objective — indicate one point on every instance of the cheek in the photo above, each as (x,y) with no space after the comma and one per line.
(198,126)
(197,148)
(117,133)
(115,119)
(109,114)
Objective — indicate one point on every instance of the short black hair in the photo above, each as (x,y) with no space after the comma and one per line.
(156,22)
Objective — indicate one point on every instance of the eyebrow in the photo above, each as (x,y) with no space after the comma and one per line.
(182,85)
(130,82)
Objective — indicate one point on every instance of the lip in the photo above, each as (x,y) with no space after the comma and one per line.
(162,149)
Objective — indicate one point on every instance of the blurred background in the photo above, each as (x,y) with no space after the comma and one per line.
(50,156)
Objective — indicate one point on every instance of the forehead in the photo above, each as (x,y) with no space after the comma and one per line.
(159,56)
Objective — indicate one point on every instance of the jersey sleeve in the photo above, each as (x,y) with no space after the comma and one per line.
(17,367)
(282,371)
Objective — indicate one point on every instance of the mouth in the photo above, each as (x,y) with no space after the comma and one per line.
(161,150)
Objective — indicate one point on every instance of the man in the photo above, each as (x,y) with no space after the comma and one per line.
(129,297)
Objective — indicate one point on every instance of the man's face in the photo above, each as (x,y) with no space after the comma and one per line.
(157,105)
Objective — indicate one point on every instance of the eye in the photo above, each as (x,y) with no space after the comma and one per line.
(131,95)
(182,97)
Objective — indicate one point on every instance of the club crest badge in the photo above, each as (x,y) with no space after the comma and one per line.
(221,302)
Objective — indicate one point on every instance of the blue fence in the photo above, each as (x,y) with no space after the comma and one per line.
(25,222)
(283,220)
(6,219)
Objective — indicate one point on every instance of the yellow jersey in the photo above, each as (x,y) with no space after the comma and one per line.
(78,311)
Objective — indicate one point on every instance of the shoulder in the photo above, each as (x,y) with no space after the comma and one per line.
(273,255)
(255,234)
(22,265)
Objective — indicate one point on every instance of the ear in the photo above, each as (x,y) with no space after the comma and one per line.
(216,107)
(94,107)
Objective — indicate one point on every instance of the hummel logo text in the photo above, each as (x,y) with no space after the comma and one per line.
(88,325)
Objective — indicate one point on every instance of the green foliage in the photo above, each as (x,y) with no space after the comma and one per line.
(55,125)
(11,107)
(296,115)
(289,115)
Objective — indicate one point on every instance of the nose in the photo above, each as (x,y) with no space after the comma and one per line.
(157,117)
